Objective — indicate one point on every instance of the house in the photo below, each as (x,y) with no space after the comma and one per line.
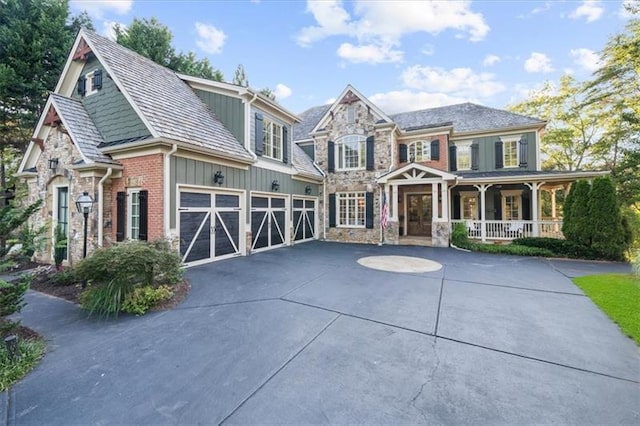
(424,170)
(220,171)
(210,166)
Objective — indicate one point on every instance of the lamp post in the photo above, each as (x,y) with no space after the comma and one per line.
(84,204)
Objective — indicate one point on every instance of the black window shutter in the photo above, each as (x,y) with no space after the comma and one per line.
(370,165)
(369,210)
(453,159)
(403,153)
(332,210)
(97,80)
(497,205)
(499,162)
(82,86)
(120,215)
(143,198)
(523,152)
(259,142)
(331,160)
(475,152)
(456,206)
(285,144)
(435,150)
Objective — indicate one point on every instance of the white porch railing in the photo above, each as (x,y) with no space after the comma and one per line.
(511,229)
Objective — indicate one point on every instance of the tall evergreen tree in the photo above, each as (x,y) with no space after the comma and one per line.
(580,227)
(240,77)
(152,39)
(605,228)
(568,229)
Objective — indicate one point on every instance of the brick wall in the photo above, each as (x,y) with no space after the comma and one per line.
(145,173)
(441,164)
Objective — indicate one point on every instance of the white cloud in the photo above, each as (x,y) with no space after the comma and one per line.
(521,92)
(407,100)
(98,8)
(329,101)
(282,91)
(623,12)
(538,62)
(460,82)
(490,60)
(428,50)
(586,58)
(108,29)
(369,53)
(378,26)
(589,9)
(210,39)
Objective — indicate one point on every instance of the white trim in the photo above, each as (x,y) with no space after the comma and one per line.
(316,201)
(88,87)
(469,194)
(335,104)
(511,139)
(286,234)
(440,174)
(511,193)
(130,192)
(466,145)
(535,127)
(356,198)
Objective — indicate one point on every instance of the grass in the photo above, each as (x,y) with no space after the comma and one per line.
(12,370)
(618,296)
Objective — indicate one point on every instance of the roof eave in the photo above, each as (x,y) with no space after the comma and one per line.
(532,126)
(568,176)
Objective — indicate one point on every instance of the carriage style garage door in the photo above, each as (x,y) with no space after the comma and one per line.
(268,221)
(210,225)
(304,219)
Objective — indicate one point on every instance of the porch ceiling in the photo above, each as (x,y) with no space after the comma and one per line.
(505,177)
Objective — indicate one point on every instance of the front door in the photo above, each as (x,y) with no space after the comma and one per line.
(419,214)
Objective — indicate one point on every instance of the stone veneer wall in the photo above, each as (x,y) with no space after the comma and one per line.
(358,180)
(58,145)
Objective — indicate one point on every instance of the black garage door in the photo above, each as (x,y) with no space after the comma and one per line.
(268,221)
(304,219)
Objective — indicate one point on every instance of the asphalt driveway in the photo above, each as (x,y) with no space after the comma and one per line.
(305,334)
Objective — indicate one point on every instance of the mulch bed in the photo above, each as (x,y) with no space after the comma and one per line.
(43,284)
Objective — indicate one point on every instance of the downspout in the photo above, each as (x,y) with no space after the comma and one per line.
(101,205)
(167,188)
(392,145)
(248,128)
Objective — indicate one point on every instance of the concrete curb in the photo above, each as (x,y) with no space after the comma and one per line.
(8,414)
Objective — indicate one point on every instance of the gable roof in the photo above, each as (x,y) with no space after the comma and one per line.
(419,170)
(466,117)
(167,104)
(350,91)
(303,164)
(81,128)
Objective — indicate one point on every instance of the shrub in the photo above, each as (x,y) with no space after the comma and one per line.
(13,369)
(60,247)
(115,271)
(580,214)
(141,299)
(605,229)
(12,295)
(64,277)
(31,239)
(459,237)
(511,249)
(560,248)
(568,229)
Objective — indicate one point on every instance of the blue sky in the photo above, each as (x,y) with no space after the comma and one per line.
(403,55)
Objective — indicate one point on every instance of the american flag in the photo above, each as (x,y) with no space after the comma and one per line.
(385,211)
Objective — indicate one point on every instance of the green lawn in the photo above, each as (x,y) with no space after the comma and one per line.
(618,296)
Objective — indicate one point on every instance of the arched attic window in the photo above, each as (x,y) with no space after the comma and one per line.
(419,151)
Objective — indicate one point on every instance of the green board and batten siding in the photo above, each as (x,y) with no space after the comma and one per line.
(486,152)
(187,171)
(228,109)
(112,114)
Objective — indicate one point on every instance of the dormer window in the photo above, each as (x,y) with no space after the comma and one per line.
(90,83)
(351,114)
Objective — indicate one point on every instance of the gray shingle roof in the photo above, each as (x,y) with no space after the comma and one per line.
(309,119)
(81,128)
(465,117)
(302,163)
(168,104)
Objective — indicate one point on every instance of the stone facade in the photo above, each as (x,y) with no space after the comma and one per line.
(58,145)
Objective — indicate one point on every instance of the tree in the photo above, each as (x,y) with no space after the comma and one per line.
(34,42)
(268,93)
(568,229)
(574,138)
(152,39)
(579,214)
(240,77)
(605,228)
(82,20)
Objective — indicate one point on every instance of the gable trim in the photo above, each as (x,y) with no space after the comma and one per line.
(338,101)
(418,167)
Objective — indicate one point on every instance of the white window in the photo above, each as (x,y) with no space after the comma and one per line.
(420,151)
(510,153)
(351,209)
(272,139)
(351,114)
(511,205)
(351,152)
(469,205)
(133,228)
(463,156)
(90,86)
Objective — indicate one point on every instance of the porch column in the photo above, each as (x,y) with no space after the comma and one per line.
(395,201)
(482,188)
(434,200)
(534,186)
(445,201)
(554,215)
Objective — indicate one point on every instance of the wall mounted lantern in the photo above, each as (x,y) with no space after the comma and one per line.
(307,190)
(218,178)
(275,186)
(53,163)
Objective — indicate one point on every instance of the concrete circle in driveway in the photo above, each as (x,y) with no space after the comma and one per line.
(399,263)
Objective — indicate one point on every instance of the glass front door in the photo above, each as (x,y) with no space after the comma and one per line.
(419,215)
